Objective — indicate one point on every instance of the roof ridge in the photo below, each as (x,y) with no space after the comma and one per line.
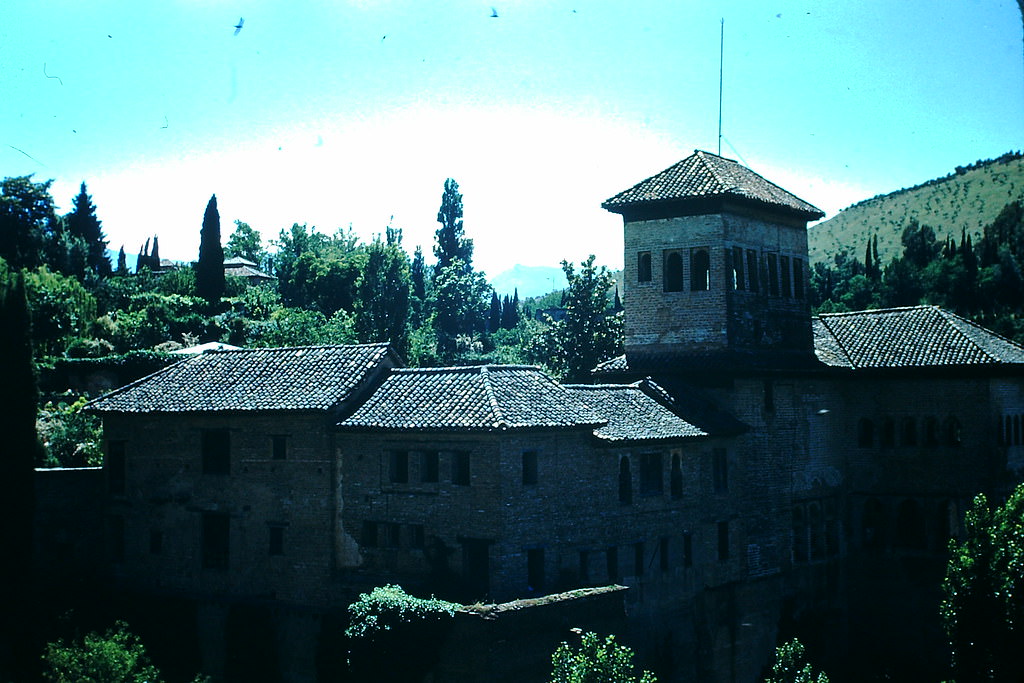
(873,311)
(958,318)
(701,155)
(839,342)
(492,400)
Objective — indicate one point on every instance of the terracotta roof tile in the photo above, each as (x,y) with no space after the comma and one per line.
(298,378)
(704,176)
(633,414)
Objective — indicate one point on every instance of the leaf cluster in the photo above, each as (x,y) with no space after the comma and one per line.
(387,607)
(596,660)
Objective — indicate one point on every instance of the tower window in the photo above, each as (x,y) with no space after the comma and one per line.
(643,266)
(785,272)
(700,270)
(738,281)
(752,276)
(673,272)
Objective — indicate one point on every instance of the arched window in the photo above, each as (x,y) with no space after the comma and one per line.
(910,530)
(625,481)
(677,476)
(908,431)
(953,437)
(643,267)
(865,433)
(673,272)
(700,270)
(931,431)
(736,266)
(888,437)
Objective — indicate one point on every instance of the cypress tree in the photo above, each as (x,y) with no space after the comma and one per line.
(419,274)
(210,269)
(154,256)
(494,315)
(122,262)
(869,269)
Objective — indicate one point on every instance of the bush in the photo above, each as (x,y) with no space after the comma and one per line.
(791,666)
(117,656)
(71,438)
(596,661)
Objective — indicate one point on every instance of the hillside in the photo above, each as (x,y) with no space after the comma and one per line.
(970,197)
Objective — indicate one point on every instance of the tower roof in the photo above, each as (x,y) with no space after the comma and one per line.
(704,176)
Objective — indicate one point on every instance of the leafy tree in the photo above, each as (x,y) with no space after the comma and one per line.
(29,229)
(919,244)
(61,308)
(451,242)
(317,271)
(71,438)
(589,333)
(419,274)
(83,224)
(301,327)
(246,242)
(983,606)
(117,656)
(382,294)
(596,661)
(460,309)
(210,269)
(791,666)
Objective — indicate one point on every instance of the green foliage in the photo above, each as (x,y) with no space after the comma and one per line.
(386,607)
(301,327)
(382,294)
(29,229)
(983,605)
(210,267)
(316,271)
(117,656)
(590,333)
(246,242)
(151,318)
(596,661)
(260,301)
(459,301)
(177,281)
(62,310)
(791,666)
(71,438)
(83,225)
(451,242)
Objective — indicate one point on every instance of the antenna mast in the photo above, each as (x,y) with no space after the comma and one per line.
(721,57)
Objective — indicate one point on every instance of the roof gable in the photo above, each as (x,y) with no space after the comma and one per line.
(477,398)
(633,414)
(311,378)
(708,176)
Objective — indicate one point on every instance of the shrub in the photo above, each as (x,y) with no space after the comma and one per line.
(596,661)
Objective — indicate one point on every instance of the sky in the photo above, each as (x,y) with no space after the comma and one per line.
(354,112)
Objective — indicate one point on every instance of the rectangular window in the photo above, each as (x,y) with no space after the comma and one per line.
(612,563)
(429,467)
(392,535)
(535,569)
(723,541)
(369,535)
(460,468)
(663,554)
(773,275)
(216,540)
(638,558)
(529,468)
(643,266)
(115,466)
(216,448)
(650,474)
(720,467)
(798,278)
(276,540)
(785,273)
(687,549)
(156,541)
(398,467)
(417,539)
(738,281)
(752,276)
(279,447)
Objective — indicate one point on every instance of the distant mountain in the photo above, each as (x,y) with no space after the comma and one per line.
(969,198)
(529,280)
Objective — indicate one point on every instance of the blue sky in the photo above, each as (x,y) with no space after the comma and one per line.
(339,113)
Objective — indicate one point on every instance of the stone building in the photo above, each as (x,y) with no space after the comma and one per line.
(748,470)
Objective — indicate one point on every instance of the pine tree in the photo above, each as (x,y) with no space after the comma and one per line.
(83,225)
(210,269)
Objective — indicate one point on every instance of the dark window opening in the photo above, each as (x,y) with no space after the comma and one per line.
(276,540)
(752,276)
(279,447)
(677,476)
(429,467)
(785,273)
(687,549)
(156,541)
(535,570)
(216,540)
(529,468)
(888,435)
(638,558)
(953,436)
(700,270)
(865,433)
(417,537)
(773,275)
(673,281)
(720,470)
(216,451)
(798,278)
(663,554)
(723,541)
(612,563)
(931,432)
(650,474)
(908,431)
(115,466)
(460,468)
(398,467)
(625,481)
(476,568)
(392,535)
(643,266)
(738,281)
(369,535)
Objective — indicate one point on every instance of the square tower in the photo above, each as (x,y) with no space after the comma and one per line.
(715,264)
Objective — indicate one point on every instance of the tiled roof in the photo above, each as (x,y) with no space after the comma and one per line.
(298,378)
(917,336)
(633,414)
(246,271)
(478,398)
(705,176)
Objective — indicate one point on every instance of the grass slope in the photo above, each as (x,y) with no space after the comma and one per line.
(970,198)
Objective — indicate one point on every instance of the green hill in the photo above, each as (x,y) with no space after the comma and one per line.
(970,197)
